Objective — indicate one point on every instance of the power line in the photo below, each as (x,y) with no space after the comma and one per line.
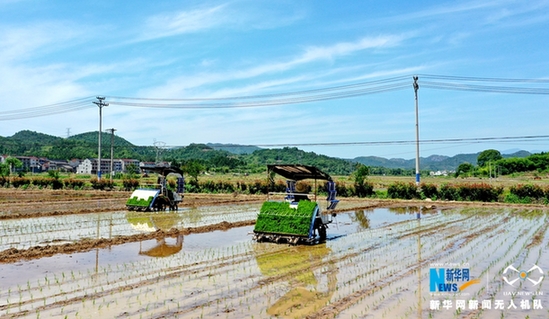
(484,88)
(50,109)
(303,92)
(444,82)
(269,102)
(482,79)
(448,141)
(506,139)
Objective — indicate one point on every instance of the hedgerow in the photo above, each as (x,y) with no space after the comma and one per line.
(101,184)
(470,192)
(130,183)
(429,190)
(527,193)
(72,183)
(521,193)
(403,190)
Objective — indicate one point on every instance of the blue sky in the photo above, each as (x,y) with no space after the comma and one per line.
(59,51)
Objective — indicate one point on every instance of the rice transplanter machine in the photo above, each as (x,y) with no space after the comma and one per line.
(158,196)
(296,219)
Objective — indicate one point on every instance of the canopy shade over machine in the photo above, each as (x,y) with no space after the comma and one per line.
(298,172)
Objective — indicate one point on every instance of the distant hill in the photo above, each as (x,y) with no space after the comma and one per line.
(432,163)
(234,148)
(29,143)
(35,137)
(197,151)
(92,138)
(293,155)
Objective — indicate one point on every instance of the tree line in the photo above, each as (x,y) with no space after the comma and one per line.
(201,157)
(490,163)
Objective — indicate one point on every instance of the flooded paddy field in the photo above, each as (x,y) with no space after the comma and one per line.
(200,262)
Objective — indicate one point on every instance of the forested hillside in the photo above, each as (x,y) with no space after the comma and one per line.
(28,143)
(431,163)
(292,155)
(234,148)
(229,157)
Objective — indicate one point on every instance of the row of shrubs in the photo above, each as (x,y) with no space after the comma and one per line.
(42,182)
(55,183)
(521,193)
(482,192)
(264,187)
(458,192)
(253,187)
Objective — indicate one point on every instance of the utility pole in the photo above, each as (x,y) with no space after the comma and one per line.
(100,103)
(112,150)
(416,88)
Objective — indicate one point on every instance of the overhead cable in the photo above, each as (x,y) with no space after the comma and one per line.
(246,103)
(444,82)
(429,141)
(50,109)
(480,79)
(473,140)
(484,88)
(294,93)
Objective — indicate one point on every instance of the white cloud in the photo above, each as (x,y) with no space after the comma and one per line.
(169,24)
(236,15)
(346,48)
(446,10)
(28,41)
(179,86)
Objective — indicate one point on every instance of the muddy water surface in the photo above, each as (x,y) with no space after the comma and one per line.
(376,263)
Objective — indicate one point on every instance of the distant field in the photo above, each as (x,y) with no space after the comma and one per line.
(379,182)
(382,182)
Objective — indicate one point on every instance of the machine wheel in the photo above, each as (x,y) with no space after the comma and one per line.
(159,207)
(322,232)
(321,228)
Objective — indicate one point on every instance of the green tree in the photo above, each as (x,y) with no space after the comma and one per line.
(193,168)
(53,173)
(540,161)
(361,173)
(464,169)
(132,170)
(4,170)
(13,162)
(487,156)
(516,165)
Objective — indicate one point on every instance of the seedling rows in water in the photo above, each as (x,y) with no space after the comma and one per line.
(382,271)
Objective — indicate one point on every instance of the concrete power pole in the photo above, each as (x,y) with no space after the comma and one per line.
(416,88)
(100,103)
(112,150)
